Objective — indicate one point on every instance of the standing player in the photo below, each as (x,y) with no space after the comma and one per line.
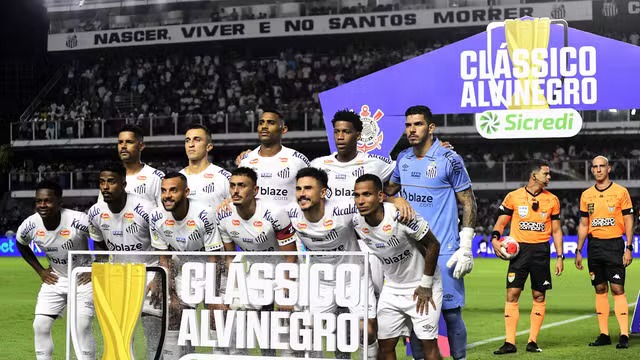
(347,164)
(56,231)
(409,252)
(180,225)
(276,165)
(142,179)
(328,226)
(534,213)
(606,213)
(209,183)
(431,178)
(121,223)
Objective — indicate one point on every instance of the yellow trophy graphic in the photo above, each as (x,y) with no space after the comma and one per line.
(118,292)
(528,35)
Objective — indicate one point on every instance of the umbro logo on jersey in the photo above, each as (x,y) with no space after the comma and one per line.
(284,173)
(209,188)
(616,276)
(234,233)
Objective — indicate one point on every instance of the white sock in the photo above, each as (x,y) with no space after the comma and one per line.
(372,351)
(42,336)
(171,350)
(152,326)
(85,337)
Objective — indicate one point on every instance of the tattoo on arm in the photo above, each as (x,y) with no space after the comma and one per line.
(469,207)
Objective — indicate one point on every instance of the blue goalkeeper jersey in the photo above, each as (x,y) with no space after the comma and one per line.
(430,185)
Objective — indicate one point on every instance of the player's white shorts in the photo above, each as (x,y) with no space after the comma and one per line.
(375,268)
(397,315)
(318,306)
(52,299)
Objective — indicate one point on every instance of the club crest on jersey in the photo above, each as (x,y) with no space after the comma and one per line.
(65,233)
(169,222)
(611,208)
(191,223)
(235,222)
(523,210)
(591,208)
(432,170)
(328,224)
(141,177)
(543,214)
(371,136)
(41,233)
(511,277)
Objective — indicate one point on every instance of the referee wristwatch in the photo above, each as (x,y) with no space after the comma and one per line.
(630,248)
(561,257)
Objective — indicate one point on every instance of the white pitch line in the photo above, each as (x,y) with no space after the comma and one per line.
(523,332)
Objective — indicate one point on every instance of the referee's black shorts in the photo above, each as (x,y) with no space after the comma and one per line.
(605,260)
(533,259)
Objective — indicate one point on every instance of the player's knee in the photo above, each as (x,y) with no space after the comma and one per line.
(42,325)
(539,298)
(601,288)
(372,330)
(617,289)
(453,318)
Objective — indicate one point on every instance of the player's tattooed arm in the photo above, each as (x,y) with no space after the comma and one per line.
(391,188)
(469,207)
(47,275)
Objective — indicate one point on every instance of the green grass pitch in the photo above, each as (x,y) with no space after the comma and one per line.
(571,297)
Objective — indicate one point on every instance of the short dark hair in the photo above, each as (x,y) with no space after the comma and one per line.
(245,171)
(349,116)
(535,165)
(135,129)
(275,111)
(370,177)
(420,110)
(315,173)
(175,174)
(196,126)
(115,168)
(50,185)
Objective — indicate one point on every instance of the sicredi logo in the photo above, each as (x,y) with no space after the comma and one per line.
(516,124)
(536,79)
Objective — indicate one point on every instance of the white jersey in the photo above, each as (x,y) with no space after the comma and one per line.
(71,234)
(266,230)
(334,232)
(395,244)
(146,184)
(208,187)
(277,175)
(342,175)
(127,230)
(196,232)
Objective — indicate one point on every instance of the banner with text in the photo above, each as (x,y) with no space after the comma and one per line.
(524,78)
(316,25)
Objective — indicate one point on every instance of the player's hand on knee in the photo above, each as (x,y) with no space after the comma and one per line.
(84,278)
(48,276)
(241,156)
(497,249)
(578,261)
(423,297)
